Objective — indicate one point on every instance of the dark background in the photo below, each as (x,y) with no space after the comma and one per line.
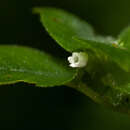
(23,106)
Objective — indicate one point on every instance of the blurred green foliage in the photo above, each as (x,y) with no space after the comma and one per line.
(24,106)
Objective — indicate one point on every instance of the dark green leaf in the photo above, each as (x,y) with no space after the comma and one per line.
(32,66)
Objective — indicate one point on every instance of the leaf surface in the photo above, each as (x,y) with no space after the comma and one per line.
(69,31)
(32,66)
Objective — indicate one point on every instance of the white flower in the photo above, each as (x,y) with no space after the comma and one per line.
(78,59)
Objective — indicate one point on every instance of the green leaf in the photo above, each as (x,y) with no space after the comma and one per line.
(119,55)
(106,78)
(32,66)
(63,26)
(124,38)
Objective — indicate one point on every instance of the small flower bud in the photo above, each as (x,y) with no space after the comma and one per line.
(78,59)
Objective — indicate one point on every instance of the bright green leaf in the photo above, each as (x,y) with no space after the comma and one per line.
(32,66)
